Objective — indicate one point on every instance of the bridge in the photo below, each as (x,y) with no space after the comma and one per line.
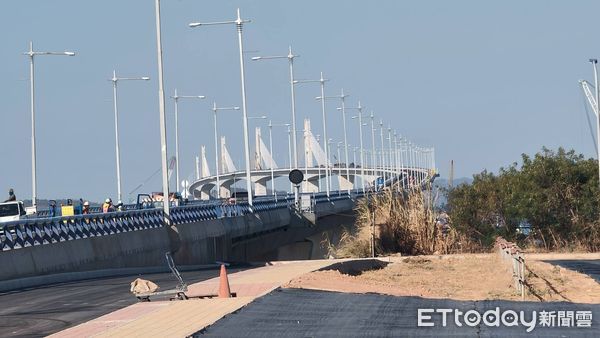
(401,164)
(405,177)
(208,225)
(37,251)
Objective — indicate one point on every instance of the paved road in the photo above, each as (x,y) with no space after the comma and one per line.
(40,311)
(311,313)
(588,267)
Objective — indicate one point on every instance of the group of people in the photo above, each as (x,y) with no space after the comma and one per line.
(108,206)
(82,209)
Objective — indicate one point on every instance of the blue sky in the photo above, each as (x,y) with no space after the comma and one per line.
(481,81)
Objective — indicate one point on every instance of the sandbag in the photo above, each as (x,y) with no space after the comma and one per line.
(143,286)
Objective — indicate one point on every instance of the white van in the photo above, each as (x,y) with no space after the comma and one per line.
(11,211)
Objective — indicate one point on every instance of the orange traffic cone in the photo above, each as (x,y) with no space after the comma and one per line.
(224,291)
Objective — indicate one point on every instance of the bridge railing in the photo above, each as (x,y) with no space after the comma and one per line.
(42,231)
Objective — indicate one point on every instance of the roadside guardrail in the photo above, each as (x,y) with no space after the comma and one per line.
(512,254)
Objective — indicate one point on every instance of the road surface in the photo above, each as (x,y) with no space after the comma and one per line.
(41,311)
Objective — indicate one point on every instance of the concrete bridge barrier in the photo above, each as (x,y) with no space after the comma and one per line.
(236,238)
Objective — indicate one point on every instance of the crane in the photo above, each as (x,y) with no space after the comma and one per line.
(586,87)
(170,172)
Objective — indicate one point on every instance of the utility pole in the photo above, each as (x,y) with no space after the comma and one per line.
(451,177)
(594,63)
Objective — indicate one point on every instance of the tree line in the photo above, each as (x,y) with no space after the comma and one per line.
(553,195)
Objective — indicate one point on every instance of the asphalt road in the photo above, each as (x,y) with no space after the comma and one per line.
(41,311)
(588,267)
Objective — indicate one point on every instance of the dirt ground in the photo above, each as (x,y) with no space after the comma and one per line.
(460,277)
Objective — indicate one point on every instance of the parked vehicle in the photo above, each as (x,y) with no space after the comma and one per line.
(12,211)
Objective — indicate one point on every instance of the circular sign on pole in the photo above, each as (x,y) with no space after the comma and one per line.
(296,176)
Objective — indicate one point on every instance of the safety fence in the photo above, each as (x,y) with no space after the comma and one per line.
(512,254)
(42,231)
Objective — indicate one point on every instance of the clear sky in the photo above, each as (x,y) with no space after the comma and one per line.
(481,81)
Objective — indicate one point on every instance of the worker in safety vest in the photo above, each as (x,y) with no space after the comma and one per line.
(86,208)
(107,206)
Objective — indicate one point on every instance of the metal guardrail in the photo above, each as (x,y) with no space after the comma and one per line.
(43,231)
(511,253)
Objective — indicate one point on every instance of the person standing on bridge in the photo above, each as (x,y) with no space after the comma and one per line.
(86,208)
(11,196)
(108,206)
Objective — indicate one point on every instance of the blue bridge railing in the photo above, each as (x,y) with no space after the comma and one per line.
(43,231)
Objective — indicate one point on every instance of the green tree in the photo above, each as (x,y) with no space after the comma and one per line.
(555,191)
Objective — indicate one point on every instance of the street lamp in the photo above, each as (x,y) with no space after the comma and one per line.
(31,53)
(322,81)
(290,58)
(176,98)
(382,159)
(239,25)
(318,137)
(271,125)
(163,127)
(597,92)
(373,154)
(396,159)
(215,109)
(343,97)
(114,80)
(329,142)
(389,162)
(354,159)
(339,160)
(360,125)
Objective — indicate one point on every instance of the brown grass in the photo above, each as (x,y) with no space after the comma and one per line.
(404,223)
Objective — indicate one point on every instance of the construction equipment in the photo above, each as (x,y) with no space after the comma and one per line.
(178,292)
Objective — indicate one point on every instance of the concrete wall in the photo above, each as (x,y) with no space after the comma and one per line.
(242,238)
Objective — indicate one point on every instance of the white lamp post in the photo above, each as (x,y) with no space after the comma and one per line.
(271,125)
(215,109)
(239,24)
(340,164)
(318,137)
(163,120)
(343,97)
(290,58)
(382,158)
(114,80)
(360,125)
(176,98)
(31,53)
(322,81)
(389,163)
(597,93)
(373,153)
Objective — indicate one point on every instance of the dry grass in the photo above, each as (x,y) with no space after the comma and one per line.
(404,223)
(462,277)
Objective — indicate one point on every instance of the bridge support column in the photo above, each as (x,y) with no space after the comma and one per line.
(311,184)
(225,190)
(205,191)
(345,183)
(204,195)
(260,188)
